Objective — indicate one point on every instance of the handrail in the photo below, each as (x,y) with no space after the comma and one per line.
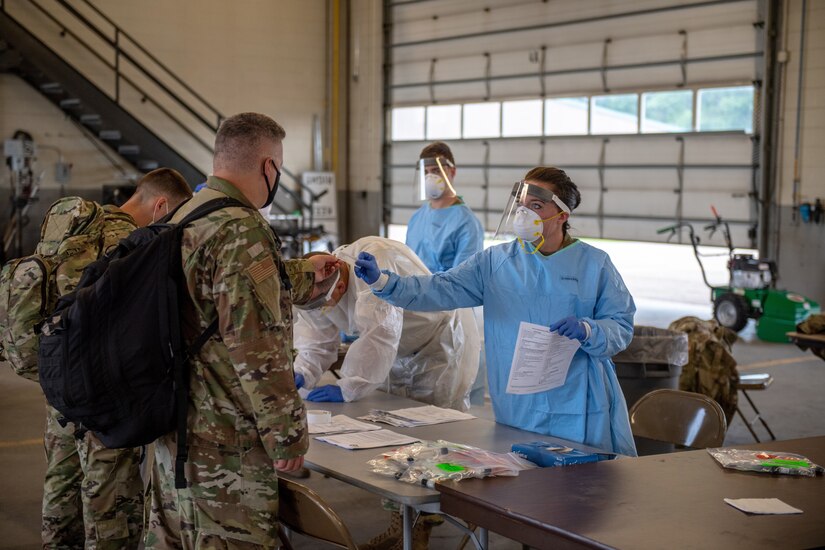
(120,51)
(125,78)
(154,59)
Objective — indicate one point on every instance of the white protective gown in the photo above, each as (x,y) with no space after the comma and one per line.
(430,357)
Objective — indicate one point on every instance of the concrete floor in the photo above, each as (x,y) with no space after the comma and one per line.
(793,405)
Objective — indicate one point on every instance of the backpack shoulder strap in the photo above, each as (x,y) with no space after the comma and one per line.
(181,367)
(208,207)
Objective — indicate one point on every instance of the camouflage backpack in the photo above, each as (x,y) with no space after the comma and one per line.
(711,368)
(74,233)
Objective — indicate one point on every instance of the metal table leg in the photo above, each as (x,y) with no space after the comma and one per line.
(408,514)
(483,535)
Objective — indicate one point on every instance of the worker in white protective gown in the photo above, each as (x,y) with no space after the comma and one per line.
(427,356)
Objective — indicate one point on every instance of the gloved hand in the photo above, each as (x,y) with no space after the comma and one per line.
(328,393)
(570,327)
(366,268)
(299,381)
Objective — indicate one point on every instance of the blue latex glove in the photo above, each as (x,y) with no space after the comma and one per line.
(299,381)
(329,393)
(366,268)
(570,327)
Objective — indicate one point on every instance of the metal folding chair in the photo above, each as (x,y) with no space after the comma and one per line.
(749,382)
(302,510)
(679,417)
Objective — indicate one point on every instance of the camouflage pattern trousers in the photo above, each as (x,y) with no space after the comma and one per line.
(93,496)
(230,502)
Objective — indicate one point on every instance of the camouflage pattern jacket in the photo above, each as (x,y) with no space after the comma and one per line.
(242,390)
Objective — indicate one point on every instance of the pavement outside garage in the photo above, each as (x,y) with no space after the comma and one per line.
(793,406)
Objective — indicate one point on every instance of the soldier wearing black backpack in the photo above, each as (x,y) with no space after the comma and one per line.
(93,495)
(246,420)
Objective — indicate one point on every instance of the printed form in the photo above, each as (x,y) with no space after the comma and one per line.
(541,360)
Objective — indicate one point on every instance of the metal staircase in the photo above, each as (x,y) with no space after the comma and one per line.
(106,81)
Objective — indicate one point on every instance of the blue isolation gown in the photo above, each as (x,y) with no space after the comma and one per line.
(516,287)
(444,237)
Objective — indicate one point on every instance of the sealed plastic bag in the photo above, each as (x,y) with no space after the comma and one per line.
(428,462)
(771,462)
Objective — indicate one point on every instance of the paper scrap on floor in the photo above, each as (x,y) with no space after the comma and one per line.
(540,361)
(416,416)
(342,424)
(762,506)
(367,440)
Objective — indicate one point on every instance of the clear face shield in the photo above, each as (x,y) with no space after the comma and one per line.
(526,212)
(321,300)
(432,178)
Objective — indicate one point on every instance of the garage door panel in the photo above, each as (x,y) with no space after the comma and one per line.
(562,152)
(668,76)
(406,153)
(729,207)
(728,180)
(739,71)
(641,173)
(533,14)
(641,181)
(517,151)
(651,150)
(710,149)
(631,203)
(516,88)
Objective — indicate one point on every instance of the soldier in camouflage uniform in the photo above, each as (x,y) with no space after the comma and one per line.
(246,420)
(93,496)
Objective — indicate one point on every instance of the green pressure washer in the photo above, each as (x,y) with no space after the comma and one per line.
(751,292)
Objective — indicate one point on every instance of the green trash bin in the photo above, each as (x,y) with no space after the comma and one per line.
(653,360)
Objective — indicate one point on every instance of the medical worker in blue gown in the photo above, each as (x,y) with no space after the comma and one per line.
(548,278)
(444,231)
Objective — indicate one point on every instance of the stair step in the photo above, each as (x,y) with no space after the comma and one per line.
(69,102)
(147,165)
(51,88)
(90,119)
(128,149)
(109,135)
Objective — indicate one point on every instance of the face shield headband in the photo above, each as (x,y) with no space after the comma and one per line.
(522,221)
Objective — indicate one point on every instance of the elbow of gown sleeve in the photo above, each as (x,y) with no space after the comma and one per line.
(608,336)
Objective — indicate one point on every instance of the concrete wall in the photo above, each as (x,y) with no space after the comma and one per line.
(800,247)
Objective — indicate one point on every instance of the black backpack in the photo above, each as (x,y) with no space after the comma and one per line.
(112,357)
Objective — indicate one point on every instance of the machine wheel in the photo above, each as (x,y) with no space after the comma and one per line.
(731,311)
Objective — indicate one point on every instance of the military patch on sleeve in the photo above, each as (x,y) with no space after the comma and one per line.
(262,270)
(255,250)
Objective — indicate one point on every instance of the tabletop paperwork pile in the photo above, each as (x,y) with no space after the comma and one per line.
(349,433)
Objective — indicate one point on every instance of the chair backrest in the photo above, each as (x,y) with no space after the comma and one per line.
(302,510)
(679,417)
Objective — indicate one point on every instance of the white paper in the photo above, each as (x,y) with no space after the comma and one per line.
(340,424)
(416,416)
(541,360)
(367,440)
(762,506)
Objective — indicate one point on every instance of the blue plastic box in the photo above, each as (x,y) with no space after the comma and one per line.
(544,453)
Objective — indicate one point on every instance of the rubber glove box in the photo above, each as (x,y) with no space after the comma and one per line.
(545,454)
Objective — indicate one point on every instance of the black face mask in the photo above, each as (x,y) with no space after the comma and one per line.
(274,188)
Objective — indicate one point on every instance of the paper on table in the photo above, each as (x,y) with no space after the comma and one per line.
(426,415)
(762,506)
(541,360)
(367,440)
(342,423)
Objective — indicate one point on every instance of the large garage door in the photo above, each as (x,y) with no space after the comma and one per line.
(648,105)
